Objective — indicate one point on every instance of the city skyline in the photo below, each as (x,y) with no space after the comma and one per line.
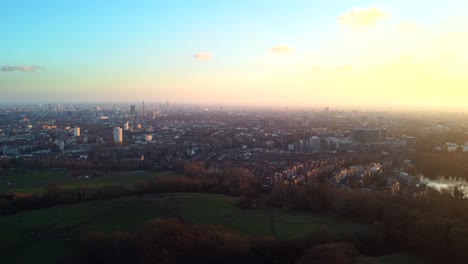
(296,53)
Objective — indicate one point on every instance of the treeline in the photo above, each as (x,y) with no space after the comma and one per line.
(428,143)
(170,241)
(106,165)
(234,182)
(434,165)
(8,164)
(433,225)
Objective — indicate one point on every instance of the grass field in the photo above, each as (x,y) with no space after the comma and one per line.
(49,235)
(33,176)
(291,224)
(45,236)
(35,182)
(399,258)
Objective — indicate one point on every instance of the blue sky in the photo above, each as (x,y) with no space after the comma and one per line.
(66,31)
(101,46)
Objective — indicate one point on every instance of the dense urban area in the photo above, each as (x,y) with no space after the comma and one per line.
(351,149)
(346,164)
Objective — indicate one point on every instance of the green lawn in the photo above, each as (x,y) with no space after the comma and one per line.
(252,222)
(47,235)
(399,258)
(35,182)
(205,208)
(25,234)
(294,224)
(23,178)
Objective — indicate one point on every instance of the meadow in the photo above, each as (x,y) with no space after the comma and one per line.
(50,235)
(36,181)
(47,235)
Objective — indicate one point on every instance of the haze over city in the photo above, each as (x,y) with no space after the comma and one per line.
(233,131)
(388,54)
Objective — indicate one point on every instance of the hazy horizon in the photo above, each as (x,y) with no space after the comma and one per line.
(311,54)
(275,107)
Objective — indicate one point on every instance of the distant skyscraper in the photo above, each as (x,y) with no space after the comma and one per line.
(76,132)
(118,137)
(132,109)
(284,141)
(302,144)
(369,134)
(149,137)
(143,108)
(126,126)
(380,121)
(327,116)
(61,145)
(314,144)
(271,122)
(305,121)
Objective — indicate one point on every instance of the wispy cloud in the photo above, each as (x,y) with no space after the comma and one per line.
(281,49)
(20,68)
(363,17)
(203,56)
(344,68)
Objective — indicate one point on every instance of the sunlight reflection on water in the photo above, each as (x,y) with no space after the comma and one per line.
(446,183)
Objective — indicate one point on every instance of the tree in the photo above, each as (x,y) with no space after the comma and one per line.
(113,248)
(52,193)
(331,253)
(170,241)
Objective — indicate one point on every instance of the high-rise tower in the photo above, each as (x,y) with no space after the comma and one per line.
(76,132)
(118,137)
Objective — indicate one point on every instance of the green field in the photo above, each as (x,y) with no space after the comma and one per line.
(35,182)
(400,258)
(50,235)
(33,176)
(45,236)
(291,224)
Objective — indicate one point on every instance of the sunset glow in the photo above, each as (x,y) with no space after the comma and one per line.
(285,53)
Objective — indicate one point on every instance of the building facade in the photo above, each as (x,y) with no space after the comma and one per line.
(76,132)
(118,135)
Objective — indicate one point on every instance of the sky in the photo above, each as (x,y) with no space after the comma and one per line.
(394,53)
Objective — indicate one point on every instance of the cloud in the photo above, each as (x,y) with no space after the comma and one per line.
(344,68)
(202,56)
(281,49)
(407,26)
(363,17)
(20,68)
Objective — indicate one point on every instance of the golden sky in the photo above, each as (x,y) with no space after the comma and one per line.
(326,53)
